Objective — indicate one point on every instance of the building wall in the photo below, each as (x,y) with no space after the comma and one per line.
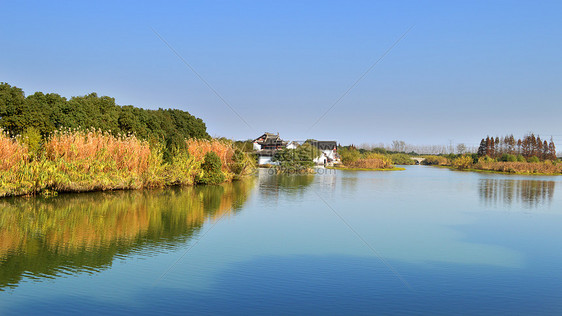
(326,154)
(266,160)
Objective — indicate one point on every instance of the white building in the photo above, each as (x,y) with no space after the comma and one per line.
(266,146)
(328,152)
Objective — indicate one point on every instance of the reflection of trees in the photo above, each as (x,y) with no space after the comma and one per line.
(84,232)
(271,183)
(529,193)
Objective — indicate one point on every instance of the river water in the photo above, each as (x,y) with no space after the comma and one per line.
(421,241)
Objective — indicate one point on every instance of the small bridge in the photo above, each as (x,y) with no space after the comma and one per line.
(418,160)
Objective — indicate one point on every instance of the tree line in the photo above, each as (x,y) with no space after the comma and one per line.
(45,113)
(399,146)
(529,146)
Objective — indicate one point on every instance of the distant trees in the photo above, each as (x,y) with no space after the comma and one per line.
(461,149)
(505,147)
(399,146)
(46,113)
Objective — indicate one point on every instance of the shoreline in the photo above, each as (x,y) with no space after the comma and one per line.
(498,172)
(367,169)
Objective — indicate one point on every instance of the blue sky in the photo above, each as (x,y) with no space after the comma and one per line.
(466,69)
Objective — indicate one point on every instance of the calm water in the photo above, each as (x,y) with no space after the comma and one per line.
(421,241)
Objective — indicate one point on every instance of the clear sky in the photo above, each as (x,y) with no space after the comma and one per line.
(466,68)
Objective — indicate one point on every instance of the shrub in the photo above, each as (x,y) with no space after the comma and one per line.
(533,159)
(508,157)
(463,162)
(349,155)
(435,161)
(299,160)
(211,172)
(372,161)
(486,159)
(402,159)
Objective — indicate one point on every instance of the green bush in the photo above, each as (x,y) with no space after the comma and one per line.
(349,155)
(533,159)
(463,162)
(401,159)
(486,159)
(211,172)
(434,160)
(508,158)
(299,160)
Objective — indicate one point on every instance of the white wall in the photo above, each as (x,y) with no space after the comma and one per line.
(266,160)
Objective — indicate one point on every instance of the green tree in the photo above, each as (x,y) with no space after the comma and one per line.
(299,160)
(211,170)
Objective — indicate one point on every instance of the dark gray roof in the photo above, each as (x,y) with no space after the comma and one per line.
(325,144)
(269,139)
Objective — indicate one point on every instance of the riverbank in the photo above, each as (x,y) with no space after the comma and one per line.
(367,169)
(85,161)
(498,172)
(487,165)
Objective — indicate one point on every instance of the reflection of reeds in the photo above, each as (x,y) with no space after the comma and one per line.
(530,193)
(40,229)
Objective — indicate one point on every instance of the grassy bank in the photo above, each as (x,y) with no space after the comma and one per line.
(79,161)
(367,169)
(487,164)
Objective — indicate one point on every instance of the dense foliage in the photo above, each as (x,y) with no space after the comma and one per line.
(376,158)
(435,161)
(402,159)
(299,160)
(211,172)
(46,113)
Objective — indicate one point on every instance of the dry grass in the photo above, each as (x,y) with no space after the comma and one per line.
(435,161)
(124,153)
(372,161)
(198,148)
(78,161)
(546,167)
(12,152)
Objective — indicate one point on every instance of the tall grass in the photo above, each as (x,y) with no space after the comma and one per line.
(546,167)
(118,152)
(372,161)
(77,161)
(12,152)
(435,161)
(198,148)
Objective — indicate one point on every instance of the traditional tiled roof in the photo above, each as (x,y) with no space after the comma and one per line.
(269,139)
(325,145)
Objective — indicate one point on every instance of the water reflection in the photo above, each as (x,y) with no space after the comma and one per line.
(84,232)
(272,185)
(506,192)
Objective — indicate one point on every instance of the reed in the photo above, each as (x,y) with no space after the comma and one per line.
(372,161)
(12,152)
(198,148)
(126,153)
(79,161)
(546,167)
